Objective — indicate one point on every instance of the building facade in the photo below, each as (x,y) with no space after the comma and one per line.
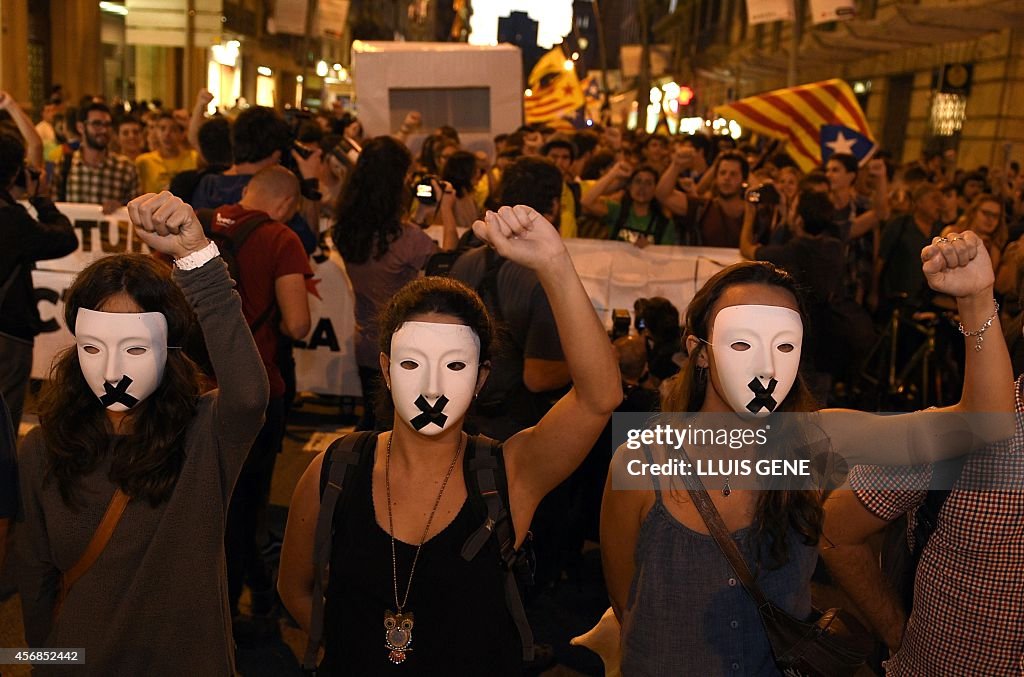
(943,74)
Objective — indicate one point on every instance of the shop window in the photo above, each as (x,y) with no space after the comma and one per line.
(467,109)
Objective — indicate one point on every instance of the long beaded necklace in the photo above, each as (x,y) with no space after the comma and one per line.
(398,624)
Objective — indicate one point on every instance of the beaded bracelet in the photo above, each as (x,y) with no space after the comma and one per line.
(978,333)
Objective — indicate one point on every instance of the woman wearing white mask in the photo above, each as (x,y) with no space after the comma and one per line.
(397,552)
(679,602)
(127,479)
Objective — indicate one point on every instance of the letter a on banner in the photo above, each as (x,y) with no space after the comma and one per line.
(765,11)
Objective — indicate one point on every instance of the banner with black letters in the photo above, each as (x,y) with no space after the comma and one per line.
(614,275)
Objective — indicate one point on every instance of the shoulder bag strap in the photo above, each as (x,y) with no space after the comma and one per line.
(340,461)
(718,530)
(115,509)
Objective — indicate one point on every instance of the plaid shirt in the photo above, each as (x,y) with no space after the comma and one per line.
(115,179)
(968,615)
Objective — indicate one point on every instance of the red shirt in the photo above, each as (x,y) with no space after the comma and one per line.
(271,251)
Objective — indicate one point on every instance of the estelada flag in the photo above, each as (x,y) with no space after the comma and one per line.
(799,114)
(555,90)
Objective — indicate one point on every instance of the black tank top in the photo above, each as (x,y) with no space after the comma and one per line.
(461,623)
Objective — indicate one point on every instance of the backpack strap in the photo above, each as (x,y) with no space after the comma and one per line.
(208,217)
(486,481)
(488,288)
(342,459)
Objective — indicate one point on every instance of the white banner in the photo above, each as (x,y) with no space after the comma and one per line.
(823,11)
(325,360)
(765,11)
(614,275)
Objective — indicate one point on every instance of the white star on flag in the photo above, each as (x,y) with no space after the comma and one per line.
(842,144)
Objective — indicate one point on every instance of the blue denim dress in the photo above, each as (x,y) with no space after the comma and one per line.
(687,612)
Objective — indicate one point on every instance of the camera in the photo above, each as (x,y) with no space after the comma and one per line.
(765,195)
(620,323)
(425,190)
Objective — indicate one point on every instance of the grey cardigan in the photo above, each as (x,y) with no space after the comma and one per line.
(155,601)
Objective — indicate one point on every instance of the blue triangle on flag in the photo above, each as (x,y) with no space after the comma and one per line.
(842,139)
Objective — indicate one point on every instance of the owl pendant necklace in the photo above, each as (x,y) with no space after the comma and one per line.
(398,624)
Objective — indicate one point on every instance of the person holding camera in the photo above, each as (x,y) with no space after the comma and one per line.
(637,217)
(382,251)
(26,240)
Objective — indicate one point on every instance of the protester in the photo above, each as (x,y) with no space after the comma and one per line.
(673,591)
(985,217)
(710,222)
(260,138)
(123,416)
(435,341)
(462,173)
(272,270)
(214,142)
(638,217)
(160,165)
(129,137)
(93,174)
(972,560)
(26,240)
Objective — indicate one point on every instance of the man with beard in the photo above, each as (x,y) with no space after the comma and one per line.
(93,174)
(714,222)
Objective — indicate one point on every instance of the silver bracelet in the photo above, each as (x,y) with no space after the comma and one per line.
(984,328)
(198,258)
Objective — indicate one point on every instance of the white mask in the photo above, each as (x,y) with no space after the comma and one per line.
(757,356)
(122,355)
(434,368)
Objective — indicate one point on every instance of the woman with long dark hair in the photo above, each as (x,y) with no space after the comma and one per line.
(130,455)
(636,216)
(680,604)
(402,588)
(381,251)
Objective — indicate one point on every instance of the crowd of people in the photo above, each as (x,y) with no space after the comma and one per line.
(488,385)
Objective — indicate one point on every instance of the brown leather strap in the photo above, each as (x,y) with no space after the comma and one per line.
(99,541)
(718,530)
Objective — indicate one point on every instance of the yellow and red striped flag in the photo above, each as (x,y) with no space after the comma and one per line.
(798,114)
(554,89)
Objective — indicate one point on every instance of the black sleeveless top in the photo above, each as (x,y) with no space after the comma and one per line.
(461,623)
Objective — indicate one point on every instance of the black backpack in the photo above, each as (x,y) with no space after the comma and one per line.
(230,245)
(487,489)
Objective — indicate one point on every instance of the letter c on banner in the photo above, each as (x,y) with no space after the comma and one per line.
(630,470)
(50,296)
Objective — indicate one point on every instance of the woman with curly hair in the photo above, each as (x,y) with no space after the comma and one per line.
(127,479)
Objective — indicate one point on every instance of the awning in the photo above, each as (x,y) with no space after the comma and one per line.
(289,16)
(163,22)
(905,26)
